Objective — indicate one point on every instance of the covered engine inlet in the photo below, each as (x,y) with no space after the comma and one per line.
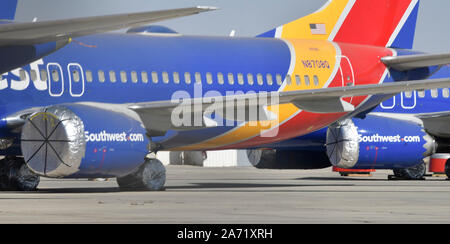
(378,142)
(82,141)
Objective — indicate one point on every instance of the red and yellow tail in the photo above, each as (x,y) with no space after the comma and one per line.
(389,23)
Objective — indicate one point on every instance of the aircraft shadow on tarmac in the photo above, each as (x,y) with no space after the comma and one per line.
(92,190)
(226,186)
(243,186)
(216,187)
(338,178)
(192,186)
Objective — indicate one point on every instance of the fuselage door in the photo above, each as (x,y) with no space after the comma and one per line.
(347,74)
(409,99)
(76,80)
(55,80)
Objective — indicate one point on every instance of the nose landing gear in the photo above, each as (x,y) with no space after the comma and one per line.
(16,176)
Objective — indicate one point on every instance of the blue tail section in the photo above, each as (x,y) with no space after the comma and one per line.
(405,38)
(8,9)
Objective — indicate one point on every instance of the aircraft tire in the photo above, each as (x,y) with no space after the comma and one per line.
(151,176)
(16,176)
(414,173)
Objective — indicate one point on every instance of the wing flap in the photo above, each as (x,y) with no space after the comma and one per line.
(325,105)
(437,124)
(408,62)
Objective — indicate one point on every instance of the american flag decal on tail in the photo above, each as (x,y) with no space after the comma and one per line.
(318,29)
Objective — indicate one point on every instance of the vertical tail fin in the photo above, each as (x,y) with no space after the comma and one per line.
(8,9)
(390,23)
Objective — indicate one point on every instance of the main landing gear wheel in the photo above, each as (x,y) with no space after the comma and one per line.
(151,176)
(16,176)
(414,173)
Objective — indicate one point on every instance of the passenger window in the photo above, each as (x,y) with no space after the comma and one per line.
(112,76)
(230,79)
(298,80)
(134,77)
(289,79)
(307,82)
(144,77)
(123,76)
(55,75)
(187,78)
(198,78)
(165,77)
(260,79)
(316,80)
(33,75)
(89,77)
(269,79)
(44,76)
(209,78)
(155,77)
(421,94)
(101,76)
(76,75)
(220,79)
(250,79)
(434,93)
(279,80)
(446,93)
(241,79)
(176,77)
(23,75)
(408,94)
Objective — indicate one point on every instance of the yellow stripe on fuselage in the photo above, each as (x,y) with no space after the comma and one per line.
(300,29)
(313,58)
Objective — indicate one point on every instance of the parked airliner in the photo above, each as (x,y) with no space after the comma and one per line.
(402,134)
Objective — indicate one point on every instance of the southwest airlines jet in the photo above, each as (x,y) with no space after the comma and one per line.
(400,134)
(76,103)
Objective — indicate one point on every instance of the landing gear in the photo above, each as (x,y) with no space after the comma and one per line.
(414,173)
(16,176)
(150,176)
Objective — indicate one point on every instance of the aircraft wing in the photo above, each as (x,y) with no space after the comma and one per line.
(157,116)
(50,31)
(409,62)
(437,124)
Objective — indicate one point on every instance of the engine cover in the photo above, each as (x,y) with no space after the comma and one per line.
(82,141)
(377,142)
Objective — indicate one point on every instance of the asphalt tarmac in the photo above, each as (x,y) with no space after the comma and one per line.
(236,195)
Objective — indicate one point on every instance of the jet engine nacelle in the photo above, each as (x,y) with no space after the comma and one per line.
(81,141)
(379,143)
(288,159)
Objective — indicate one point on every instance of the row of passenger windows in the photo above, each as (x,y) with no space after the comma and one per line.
(155,78)
(176,77)
(197,77)
(434,93)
